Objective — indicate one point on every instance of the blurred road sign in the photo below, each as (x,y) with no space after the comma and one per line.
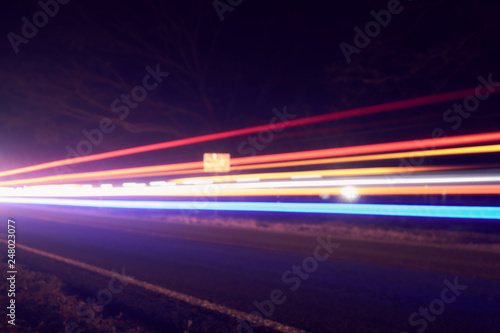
(216,162)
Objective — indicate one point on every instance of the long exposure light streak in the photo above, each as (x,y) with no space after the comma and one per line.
(376,185)
(158,169)
(306,191)
(419,101)
(469,212)
(154,170)
(421,147)
(374,157)
(140,171)
(316,173)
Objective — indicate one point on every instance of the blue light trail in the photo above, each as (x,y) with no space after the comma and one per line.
(471,212)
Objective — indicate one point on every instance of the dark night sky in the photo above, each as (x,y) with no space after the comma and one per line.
(231,74)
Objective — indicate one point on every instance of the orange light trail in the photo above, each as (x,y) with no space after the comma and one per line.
(163,170)
(322,173)
(107,174)
(373,148)
(364,158)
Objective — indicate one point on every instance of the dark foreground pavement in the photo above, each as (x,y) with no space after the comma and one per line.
(363,286)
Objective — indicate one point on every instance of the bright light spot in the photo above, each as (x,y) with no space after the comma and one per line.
(350,193)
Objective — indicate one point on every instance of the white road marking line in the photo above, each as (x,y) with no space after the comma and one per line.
(171,293)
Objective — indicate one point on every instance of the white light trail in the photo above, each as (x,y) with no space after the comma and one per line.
(171,189)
